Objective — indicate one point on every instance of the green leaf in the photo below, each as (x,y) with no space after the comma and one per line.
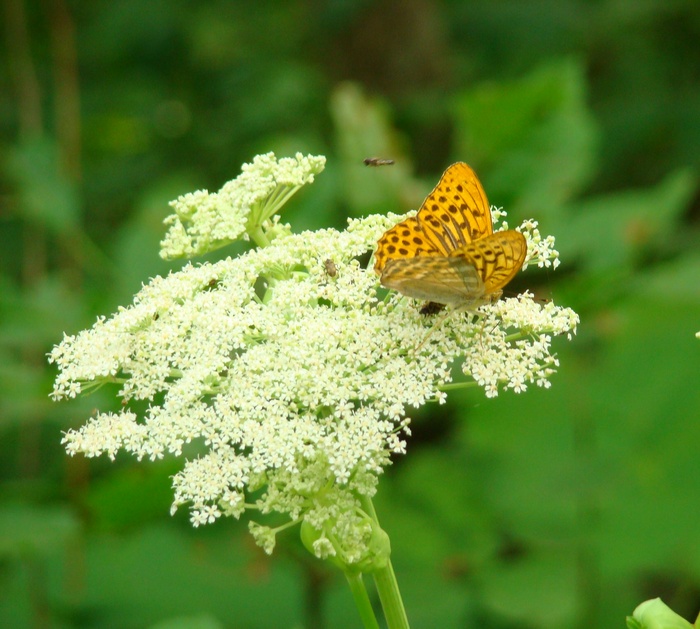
(533,139)
(189,622)
(537,591)
(613,231)
(654,614)
(46,196)
(132,495)
(28,530)
(363,129)
(674,280)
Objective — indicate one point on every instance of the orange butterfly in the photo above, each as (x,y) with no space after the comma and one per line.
(448,253)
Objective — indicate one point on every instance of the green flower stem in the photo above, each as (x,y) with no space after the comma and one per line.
(364,606)
(456,386)
(278,198)
(263,211)
(389,595)
(257,235)
(387,586)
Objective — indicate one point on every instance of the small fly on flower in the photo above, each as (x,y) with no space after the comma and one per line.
(331,269)
(377,161)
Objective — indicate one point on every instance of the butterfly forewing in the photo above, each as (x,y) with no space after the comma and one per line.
(456,212)
(405,240)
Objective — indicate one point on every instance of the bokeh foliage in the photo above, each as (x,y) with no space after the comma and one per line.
(557,508)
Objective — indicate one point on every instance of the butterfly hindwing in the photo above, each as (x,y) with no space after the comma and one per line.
(497,257)
(445,280)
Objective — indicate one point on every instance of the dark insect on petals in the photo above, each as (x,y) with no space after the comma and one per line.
(431,308)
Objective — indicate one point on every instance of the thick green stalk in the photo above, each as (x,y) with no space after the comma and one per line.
(390,596)
(387,586)
(364,606)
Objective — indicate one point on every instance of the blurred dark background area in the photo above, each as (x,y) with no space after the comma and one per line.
(564,507)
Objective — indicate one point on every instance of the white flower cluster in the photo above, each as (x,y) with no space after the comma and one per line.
(540,251)
(516,351)
(205,221)
(294,383)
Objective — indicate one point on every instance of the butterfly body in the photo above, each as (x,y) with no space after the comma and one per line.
(448,253)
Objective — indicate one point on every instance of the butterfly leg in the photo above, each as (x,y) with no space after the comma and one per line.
(492,298)
(433,328)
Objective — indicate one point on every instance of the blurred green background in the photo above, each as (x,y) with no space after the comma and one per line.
(554,508)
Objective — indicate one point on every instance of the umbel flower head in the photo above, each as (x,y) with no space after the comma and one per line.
(294,377)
